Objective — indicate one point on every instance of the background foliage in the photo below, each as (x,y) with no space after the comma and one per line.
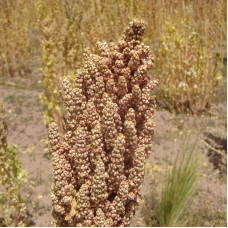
(187,36)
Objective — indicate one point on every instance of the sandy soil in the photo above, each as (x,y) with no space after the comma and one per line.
(27,131)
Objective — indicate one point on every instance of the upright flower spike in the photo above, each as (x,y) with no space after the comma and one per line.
(116,165)
(108,123)
(99,220)
(109,135)
(81,160)
(131,134)
(137,171)
(99,187)
(83,204)
(97,145)
(62,188)
(118,204)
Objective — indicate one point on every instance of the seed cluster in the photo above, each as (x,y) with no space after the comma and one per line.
(99,162)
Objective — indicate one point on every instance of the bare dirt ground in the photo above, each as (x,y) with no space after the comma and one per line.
(27,131)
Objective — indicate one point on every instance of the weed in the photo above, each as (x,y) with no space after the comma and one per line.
(180,184)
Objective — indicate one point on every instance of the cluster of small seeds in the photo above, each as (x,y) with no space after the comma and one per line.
(99,162)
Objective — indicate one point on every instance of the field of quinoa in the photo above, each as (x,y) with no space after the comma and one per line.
(57,35)
(27,131)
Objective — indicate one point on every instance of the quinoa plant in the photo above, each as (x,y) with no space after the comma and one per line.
(65,32)
(99,162)
(188,71)
(12,177)
(14,39)
(49,42)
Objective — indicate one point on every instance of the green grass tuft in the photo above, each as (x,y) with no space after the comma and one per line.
(180,184)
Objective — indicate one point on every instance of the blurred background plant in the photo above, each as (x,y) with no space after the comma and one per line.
(190,51)
(188,71)
(48,15)
(12,178)
(14,39)
(189,38)
(65,31)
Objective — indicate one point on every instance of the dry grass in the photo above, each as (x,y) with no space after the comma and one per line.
(64,30)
